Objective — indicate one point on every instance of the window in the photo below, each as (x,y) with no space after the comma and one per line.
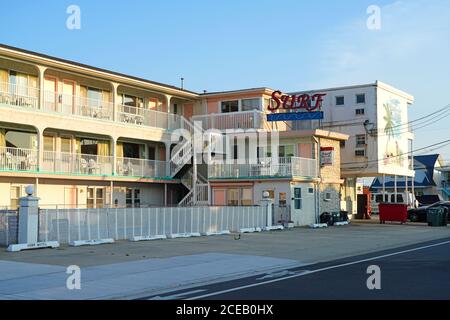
(360,153)
(286,151)
(95,197)
(133,198)
(250,104)
(230,106)
(399,198)
(340,101)
(49,143)
(360,112)
(247,197)
(342,144)
(233,197)
(360,140)
(327,196)
(361,98)
(14,197)
(379,198)
(66,145)
(311,190)
(298,198)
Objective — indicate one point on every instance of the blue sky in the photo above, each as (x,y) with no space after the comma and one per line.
(232,44)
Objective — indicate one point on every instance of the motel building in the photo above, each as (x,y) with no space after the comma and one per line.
(91,138)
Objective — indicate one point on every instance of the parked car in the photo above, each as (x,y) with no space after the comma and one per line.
(420,214)
(389,197)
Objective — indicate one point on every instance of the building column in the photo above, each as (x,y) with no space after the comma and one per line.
(114,154)
(168,99)
(168,157)
(41,86)
(40,141)
(115,101)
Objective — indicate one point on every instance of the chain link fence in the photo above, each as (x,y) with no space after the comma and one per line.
(9,224)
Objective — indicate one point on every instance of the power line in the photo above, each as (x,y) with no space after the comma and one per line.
(445,143)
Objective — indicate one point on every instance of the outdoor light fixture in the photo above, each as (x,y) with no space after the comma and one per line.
(369,127)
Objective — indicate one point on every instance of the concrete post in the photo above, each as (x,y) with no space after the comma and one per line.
(29,224)
(28,219)
(267,203)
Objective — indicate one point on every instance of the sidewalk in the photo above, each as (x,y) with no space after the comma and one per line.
(126,269)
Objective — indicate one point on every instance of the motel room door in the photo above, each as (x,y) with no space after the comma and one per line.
(302,206)
(68,96)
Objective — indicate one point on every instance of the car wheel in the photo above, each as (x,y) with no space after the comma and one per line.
(414,217)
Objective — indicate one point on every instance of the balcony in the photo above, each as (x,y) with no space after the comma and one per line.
(26,97)
(129,167)
(146,117)
(14,159)
(19,96)
(253,119)
(76,164)
(75,105)
(26,160)
(266,168)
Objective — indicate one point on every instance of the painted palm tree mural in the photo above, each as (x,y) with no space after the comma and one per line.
(393,131)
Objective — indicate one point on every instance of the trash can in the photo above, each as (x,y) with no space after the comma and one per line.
(326,217)
(336,217)
(436,216)
(344,216)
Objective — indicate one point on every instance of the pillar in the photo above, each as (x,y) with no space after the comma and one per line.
(168,157)
(28,219)
(115,101)
(267,203)
(41,86)
(114,154)
(40,141)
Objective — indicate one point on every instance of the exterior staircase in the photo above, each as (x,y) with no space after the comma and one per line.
(182,156)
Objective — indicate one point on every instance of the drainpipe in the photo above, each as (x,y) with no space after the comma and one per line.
(317,141)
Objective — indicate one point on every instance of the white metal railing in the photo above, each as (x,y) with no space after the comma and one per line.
(17,159)
(253,119)
(18,95)
(141,168)
(181,156)
(266,167)
(76,105)
(146,117)
(66,225)
(75,163)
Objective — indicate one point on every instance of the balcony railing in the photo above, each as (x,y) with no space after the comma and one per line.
(16,159)
(130,167)
(146,117)
(76,105)
(77,164)
(19,96)
(234,120)
(266,168)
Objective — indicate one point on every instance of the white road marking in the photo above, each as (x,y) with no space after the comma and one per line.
(318,270)
(176,296)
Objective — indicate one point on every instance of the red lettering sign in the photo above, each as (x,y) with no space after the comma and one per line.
(305,101)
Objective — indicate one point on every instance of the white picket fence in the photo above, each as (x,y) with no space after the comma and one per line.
(68,225)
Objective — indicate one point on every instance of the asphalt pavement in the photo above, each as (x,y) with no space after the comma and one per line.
(418,272)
